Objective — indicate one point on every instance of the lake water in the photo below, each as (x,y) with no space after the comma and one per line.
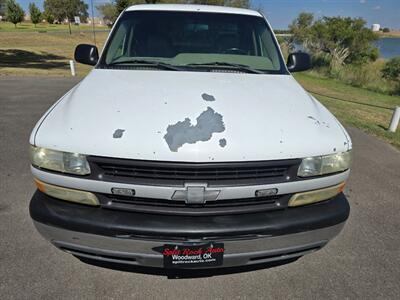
(388,47)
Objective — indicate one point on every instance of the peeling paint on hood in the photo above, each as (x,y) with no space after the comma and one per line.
(118,133)
(184,132)
(262,117)
(207,97)
(222,142)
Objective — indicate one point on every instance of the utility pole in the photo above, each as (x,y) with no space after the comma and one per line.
(94,32)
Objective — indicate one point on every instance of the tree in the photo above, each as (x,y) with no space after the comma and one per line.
(209,2)
(238,3)
(121,5)
(233,3)
(385,29)
(35,13)
(48,17)
(2,7)
(66,9)
(342,40)
(301,27)
(82,11)
(108,12)
(14,12)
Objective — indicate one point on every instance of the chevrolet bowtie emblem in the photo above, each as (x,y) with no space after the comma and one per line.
(196,194)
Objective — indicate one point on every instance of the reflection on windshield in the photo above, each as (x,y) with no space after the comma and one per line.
(193,39)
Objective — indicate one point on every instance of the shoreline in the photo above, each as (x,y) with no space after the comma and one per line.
(391,34)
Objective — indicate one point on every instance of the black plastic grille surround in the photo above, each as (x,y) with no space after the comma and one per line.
(171,207)
(179,173)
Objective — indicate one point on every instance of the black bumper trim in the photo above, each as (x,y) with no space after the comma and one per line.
(100,221)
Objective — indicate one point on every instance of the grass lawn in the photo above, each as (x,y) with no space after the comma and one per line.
(372,115)
(36,53)
(45,27)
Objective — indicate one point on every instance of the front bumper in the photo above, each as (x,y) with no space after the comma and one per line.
(135,238)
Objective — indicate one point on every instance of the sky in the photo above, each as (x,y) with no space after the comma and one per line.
(280,13)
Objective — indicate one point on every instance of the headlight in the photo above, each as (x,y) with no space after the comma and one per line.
(320,165)
(66,162)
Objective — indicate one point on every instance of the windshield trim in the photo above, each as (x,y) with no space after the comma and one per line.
(103,65)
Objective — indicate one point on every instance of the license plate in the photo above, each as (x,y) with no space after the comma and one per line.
(193,256)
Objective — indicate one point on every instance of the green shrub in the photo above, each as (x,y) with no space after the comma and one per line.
(391,71)
(368,76)
(320,60)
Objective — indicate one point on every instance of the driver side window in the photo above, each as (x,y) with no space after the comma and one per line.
(120,44)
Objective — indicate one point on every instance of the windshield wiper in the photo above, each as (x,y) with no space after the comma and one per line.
(238,67)
(151,63)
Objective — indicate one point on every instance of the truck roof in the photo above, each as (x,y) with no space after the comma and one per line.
(194,8)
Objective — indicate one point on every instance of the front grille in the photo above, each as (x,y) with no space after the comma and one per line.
(171,207)
(177,174)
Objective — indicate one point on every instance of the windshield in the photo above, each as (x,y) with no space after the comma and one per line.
(203,41)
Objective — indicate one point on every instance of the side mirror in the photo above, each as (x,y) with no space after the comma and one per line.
(86,54)
(298,61)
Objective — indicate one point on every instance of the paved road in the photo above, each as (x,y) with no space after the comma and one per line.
(363,262)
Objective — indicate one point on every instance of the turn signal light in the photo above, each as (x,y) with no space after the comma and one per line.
(316,195)
(66,194)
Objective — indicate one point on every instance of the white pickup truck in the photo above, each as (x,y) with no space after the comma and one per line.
(189,145)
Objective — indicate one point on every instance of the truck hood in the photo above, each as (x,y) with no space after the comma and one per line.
(190,116)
